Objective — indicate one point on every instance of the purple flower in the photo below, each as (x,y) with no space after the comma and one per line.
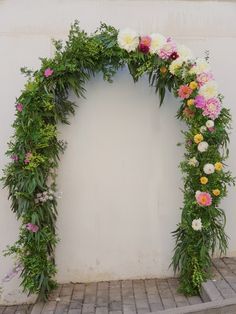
(15,158)
(200,102)
(32,227)
(19,107)
(48,72)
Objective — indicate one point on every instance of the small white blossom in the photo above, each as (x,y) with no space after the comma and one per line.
(210,124)
(202,147)
(193,162)
(203,129)
(209,169)
(197,224)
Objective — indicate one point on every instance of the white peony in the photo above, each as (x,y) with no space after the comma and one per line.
(201,66)
(203,129)
(184,52)
(202,147)
(128,39)
(175,65)
(210,124)
(157,42)
(193,162)
(197,224)
(209,90)
(209,169)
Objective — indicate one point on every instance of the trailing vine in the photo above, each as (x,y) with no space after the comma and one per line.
(35,148)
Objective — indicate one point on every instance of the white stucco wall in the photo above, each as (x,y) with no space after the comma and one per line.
(119,177)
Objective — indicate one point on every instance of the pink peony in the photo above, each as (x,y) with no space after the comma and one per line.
(144,44)
(200,102)
(204,77)
(19,107)
(203,198)
(212,108)
(48,72)
(32,227)
(167,49)
(184,91)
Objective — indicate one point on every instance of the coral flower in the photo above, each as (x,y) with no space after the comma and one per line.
(144,44)
(184,91)
(48,72)
(203,198)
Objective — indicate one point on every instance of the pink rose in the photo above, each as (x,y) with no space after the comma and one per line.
(32,227)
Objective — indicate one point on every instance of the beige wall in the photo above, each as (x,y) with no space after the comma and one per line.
(119,177)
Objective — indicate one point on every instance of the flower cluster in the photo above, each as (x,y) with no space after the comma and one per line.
(44,197)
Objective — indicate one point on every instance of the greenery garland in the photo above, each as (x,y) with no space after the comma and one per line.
(35,148)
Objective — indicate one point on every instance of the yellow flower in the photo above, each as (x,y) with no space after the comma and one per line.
(203,180)
(190,102)
(216,192)
(163,70)
(193,85)
(218,166)
(198,138)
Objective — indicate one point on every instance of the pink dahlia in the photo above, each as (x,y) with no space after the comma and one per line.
(48,72)
(167,49)
(212,108)
(203,198)
(19,107)
(32,227)
(28,156)
(144,44)
(204,77)
(200,102)
(184,91)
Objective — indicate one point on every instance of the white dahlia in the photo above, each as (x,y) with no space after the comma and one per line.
(197,224)
(209,90)
(184,52)
(209,169)
(157,42)
(128,39)
(203,129)
(202,147)
(210,124)
(201,66)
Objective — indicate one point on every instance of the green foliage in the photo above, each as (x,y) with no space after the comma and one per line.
(35,150)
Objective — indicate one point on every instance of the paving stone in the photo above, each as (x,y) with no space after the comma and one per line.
(74,311)
(76,305)
(101,310)
(62,308)
(129,308)
(66,290)
(2,308)
(165,294)
(194,300)
(78,292)
(88,308)
(10,309)
(179,298)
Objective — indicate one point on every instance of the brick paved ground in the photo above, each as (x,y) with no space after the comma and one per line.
(129,296)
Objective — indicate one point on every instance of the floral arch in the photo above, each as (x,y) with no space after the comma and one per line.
(35,149)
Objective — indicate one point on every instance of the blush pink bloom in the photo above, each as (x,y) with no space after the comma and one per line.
(19,107)
(203,198)
(144,44)
(28,156)
(48,72)
(167,49)
(200,102)
(212,108)
(32,227)
(204,77)
(184,91)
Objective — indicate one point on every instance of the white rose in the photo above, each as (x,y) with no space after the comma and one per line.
(209,168)
(175,65)
(184,52)
(128,39)
(197,224)
(193,162)
(209,90)
(203,129)
(202,147)
(157,42)
(210,124)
